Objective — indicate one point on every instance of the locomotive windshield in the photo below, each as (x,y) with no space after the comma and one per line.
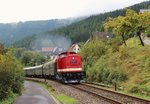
(65,53)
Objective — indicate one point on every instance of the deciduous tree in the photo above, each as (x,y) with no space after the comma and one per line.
(131,23)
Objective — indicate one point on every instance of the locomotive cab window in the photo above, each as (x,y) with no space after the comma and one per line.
(72,53)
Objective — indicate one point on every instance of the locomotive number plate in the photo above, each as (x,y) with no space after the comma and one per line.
(73,62)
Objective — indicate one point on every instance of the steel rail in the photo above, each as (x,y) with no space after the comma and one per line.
(120,94)
(112,101)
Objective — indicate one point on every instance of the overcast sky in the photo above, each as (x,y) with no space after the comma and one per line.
(24,10)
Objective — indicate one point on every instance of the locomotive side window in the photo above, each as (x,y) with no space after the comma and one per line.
(62,55)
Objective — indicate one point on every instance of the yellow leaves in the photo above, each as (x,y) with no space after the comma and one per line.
(114,25)
(132,22)
(0,58)
(130,12)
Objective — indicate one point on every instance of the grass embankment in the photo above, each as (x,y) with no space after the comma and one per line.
(128,66)
(62,98)
(136,63)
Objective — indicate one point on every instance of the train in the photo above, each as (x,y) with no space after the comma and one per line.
(65,67)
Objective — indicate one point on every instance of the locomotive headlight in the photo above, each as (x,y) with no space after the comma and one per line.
(72,57)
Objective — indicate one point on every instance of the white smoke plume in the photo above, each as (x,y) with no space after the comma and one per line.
(52,41)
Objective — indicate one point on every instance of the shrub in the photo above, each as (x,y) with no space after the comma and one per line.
(92,51)
(11,75)
(30,58)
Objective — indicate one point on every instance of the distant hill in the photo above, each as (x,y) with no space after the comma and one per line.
(11,32)
(81,30)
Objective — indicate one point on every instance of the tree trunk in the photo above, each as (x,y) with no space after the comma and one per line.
(123,40)
(139,34)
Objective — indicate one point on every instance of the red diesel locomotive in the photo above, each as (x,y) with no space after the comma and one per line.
(66,67)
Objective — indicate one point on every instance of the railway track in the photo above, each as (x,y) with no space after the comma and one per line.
(110,96)
(80,87)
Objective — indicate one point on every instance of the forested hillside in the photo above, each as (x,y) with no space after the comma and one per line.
(12,32)
(81,31)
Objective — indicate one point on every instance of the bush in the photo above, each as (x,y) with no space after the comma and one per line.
(106,75)
(30,58)
(11,75)
(92,51)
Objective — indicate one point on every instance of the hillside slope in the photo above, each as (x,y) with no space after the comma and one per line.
(11,32)
(81,31)
(127,66)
